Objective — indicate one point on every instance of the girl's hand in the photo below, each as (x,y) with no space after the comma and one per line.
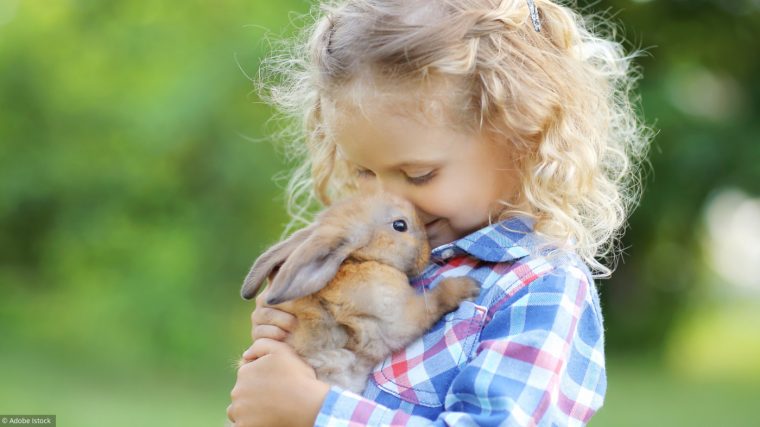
(277,388)
(270,322)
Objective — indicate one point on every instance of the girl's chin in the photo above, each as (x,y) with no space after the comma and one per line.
(440,232)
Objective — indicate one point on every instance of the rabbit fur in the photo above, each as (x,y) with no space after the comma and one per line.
(346,279)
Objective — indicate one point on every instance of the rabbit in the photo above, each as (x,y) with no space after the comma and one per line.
(346,279)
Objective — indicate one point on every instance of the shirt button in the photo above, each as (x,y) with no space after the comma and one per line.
(447,253)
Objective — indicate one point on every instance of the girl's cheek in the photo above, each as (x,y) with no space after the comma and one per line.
(441,201)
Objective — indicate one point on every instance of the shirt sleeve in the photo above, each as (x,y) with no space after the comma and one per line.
(540,362)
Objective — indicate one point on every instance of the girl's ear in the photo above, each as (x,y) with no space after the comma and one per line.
(270,260)
(311,267)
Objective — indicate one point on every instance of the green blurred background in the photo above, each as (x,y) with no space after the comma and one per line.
(136,187)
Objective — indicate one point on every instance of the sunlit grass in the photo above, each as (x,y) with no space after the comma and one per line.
(37,385)
(717,341)
(640,394)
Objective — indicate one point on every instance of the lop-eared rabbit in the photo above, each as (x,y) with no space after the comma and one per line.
(346,279)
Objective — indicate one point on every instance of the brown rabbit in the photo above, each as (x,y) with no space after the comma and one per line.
(346,279)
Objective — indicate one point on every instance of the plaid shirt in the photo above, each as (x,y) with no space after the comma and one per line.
(528,352)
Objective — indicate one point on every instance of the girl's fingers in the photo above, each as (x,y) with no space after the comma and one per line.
(266,346)
(274,317)
(229,413)
(261,299)
(269,331)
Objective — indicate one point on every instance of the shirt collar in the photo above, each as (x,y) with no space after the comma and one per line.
(504,241)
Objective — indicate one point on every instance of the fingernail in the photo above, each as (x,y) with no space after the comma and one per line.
(248,353)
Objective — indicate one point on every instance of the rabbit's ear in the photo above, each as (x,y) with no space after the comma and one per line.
(311,267)
(270,260)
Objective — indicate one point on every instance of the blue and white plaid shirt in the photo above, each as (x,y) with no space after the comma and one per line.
(528,352)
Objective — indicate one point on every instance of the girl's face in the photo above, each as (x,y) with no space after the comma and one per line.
(454,179)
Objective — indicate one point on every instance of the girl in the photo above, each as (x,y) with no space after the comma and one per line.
(509,125)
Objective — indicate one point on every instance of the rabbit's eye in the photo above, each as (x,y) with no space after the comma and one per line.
(400,225)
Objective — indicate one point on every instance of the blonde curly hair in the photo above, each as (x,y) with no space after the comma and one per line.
(562,97)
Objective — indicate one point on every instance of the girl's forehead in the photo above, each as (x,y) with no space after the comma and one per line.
(429,103)
(384,138)
(379,121)
(373,121)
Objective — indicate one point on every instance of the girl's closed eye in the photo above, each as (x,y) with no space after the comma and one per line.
(421,179)
(412,178)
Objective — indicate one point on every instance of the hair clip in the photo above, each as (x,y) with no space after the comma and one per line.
(534,15)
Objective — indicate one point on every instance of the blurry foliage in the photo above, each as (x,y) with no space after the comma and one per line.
(135,182)
(699,90)
(136,173)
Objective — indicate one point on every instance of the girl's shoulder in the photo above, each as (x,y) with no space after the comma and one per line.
(509,260)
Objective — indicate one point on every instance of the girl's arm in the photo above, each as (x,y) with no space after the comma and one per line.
(540,362)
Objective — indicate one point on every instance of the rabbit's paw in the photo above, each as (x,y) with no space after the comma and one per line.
(453,290)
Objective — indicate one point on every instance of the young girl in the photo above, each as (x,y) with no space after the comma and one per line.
(509,125)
